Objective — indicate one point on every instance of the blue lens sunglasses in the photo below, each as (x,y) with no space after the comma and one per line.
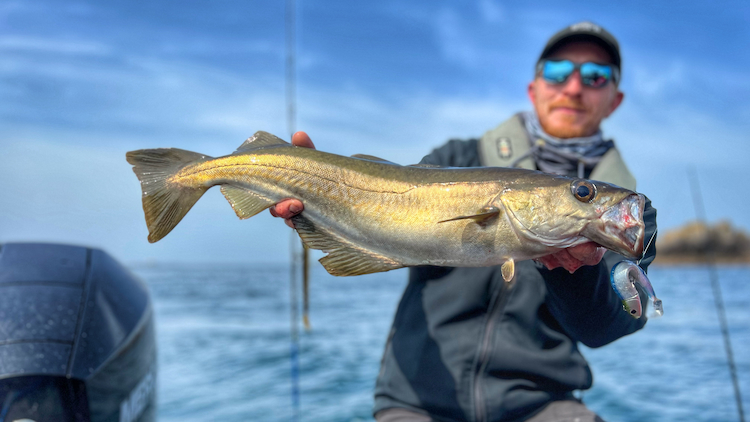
(594,75)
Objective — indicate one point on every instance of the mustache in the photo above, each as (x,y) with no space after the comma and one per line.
(568,103)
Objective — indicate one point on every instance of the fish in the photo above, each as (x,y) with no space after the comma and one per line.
(625,275)
(371,215)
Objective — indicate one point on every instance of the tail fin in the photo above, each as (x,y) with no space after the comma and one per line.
(164,202)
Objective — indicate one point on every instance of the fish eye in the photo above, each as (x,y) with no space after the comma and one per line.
(583,190)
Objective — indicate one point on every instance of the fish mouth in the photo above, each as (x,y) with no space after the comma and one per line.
(623,229)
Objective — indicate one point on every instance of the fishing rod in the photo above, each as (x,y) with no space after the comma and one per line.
(700,213)
(291,116)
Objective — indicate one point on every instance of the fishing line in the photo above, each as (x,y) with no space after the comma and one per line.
(294,346)
(653,236)
(700,212)
(290,85)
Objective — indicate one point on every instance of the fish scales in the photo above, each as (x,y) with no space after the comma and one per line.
(372,215)
(356,202)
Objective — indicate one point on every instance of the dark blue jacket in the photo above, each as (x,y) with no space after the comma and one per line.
(467,346)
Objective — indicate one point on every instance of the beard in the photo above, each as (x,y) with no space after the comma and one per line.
(567,125)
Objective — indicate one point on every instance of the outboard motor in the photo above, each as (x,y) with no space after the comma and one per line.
(76,337)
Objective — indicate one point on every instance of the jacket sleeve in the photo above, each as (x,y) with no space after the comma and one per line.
(584,302)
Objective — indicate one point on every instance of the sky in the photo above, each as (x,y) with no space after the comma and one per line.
(83,82)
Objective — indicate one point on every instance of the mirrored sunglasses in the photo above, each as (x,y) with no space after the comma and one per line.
(594,75)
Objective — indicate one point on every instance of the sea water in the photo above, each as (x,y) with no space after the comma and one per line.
(223,334)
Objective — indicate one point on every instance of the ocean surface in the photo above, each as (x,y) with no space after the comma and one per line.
(224,346)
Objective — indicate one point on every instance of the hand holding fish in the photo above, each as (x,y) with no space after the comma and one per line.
(574,257)
(571,258)
(288,208)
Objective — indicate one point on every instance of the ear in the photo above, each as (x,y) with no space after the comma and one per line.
(619,96)
(531,92)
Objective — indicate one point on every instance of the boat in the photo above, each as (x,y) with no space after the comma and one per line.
(77,339)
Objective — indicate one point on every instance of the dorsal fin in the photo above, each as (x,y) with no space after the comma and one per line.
(259,140)
(426,166)
(371,158)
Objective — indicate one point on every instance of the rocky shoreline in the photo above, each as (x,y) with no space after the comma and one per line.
(699,243)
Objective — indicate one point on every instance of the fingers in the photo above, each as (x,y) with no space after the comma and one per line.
(588,253)
(583,252)
(287,209)
(567,261)
(596,257)
(301,139)
(560,259)
(549,261)
(574,258)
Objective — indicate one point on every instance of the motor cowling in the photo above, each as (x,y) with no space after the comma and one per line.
(77,339)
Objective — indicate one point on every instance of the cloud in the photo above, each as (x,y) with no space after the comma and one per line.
(681,134)
(396,126)
(22,44)
(9,8)
(454,40)
(491,11)
(140,96)
(656,78)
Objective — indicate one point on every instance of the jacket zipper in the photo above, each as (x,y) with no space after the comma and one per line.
(496,305)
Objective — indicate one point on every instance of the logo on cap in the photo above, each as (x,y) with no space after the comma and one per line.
(586,26)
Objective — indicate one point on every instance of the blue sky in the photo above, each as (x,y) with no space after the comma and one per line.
(83,82)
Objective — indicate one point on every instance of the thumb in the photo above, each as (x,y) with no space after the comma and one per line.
(301,139)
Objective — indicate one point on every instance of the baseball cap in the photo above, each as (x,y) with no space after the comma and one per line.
(584,31)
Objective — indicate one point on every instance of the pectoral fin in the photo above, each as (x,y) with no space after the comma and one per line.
(508,269)
(245,203)
(481,217)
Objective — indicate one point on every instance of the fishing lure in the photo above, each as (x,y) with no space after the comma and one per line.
(624,276)
(623,281)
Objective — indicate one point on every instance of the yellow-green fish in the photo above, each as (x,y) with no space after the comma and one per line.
(371,215)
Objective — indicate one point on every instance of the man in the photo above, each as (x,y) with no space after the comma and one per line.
(465,345)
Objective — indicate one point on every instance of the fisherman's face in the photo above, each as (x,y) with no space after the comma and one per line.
(571,109)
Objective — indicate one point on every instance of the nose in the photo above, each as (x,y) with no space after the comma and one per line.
(573,85)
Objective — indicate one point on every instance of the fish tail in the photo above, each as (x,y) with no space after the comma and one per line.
(165,202)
